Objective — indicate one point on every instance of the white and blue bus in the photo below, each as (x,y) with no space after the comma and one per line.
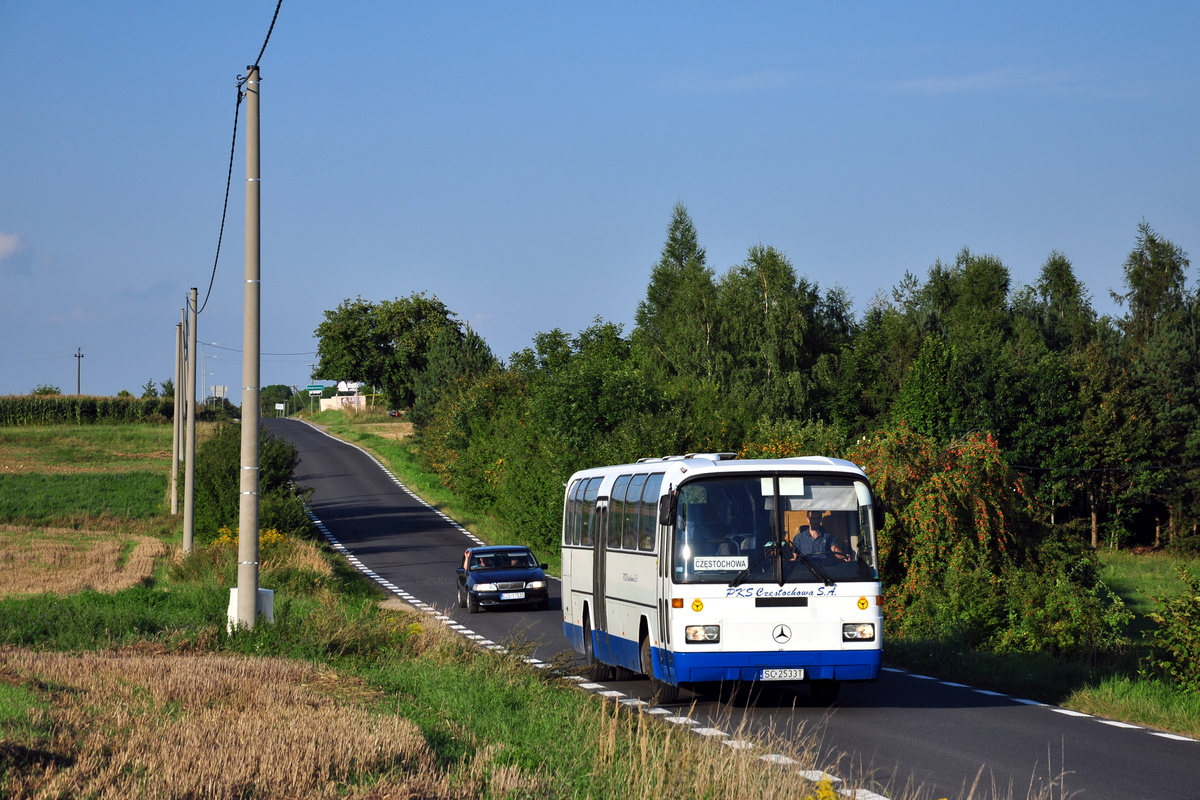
(704,567)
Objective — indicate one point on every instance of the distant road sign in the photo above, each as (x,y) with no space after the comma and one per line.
(316,388)
(314,392)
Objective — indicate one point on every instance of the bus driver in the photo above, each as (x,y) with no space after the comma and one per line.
(813,540)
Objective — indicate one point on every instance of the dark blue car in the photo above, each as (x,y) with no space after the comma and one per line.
(501,575)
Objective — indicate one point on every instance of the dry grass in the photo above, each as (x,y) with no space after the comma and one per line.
(131,724)
(387,430)
(67,560)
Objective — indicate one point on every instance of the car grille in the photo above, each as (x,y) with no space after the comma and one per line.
(508,585)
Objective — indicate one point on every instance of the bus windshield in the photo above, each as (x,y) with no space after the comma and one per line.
(779,528)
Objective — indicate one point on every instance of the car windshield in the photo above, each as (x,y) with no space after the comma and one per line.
(774,528)
(516,559)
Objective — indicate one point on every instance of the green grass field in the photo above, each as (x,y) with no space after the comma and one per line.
(44,498)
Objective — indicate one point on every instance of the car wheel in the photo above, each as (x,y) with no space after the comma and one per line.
(462,600)
(472,604)
(544,605)
(660,691)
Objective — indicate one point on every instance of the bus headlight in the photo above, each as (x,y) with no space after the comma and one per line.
(858,632)
(702,634)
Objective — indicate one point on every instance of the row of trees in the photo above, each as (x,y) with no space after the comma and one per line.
(1088,423)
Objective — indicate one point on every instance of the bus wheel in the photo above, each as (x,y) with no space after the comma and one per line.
(598,670)
(660,691)
(824,692)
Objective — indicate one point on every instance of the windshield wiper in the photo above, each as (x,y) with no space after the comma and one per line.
(812,565)
(741,577)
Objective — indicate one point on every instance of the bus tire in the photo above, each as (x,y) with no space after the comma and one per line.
(660,691)
(824,692)
(598,670)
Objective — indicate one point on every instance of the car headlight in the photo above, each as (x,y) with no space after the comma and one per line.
(536,585)
(702,634)
(485,587)
(858,632)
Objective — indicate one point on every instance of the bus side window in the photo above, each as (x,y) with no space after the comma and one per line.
(649,512)
(589,506)
(629,541)
(615,508)
(571,516)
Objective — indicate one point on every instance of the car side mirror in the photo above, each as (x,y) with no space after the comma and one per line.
(461,571)
(544,566)
(666,509)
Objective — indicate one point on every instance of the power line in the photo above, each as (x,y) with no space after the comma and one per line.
(241,81)
(264,47)
(228,179)
(235,350)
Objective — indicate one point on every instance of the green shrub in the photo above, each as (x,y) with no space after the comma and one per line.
(218,484)
(1175,639)
(965,560)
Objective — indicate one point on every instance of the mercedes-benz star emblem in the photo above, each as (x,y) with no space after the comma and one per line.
(781,634)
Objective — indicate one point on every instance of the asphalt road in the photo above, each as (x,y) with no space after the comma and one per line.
(905,730)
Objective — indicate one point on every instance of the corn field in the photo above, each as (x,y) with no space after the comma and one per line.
(59,409)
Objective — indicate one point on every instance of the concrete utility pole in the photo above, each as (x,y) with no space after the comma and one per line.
(78,362)
(176,421)
(189,470)
(247,573)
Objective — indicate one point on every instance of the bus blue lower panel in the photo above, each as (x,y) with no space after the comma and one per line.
(838,665)
(692,667)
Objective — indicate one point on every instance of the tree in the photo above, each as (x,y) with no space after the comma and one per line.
(382,344)
(676,322)
(456,354)
(45,390)
(774,336)
(149,390)
(1155,276)
(349,344)
(168,388)
(1063,309)
(1162,339)
(270,396)
(929,400)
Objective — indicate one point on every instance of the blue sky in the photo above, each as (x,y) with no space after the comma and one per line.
(520,161)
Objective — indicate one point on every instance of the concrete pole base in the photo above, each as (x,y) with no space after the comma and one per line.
(264,609)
